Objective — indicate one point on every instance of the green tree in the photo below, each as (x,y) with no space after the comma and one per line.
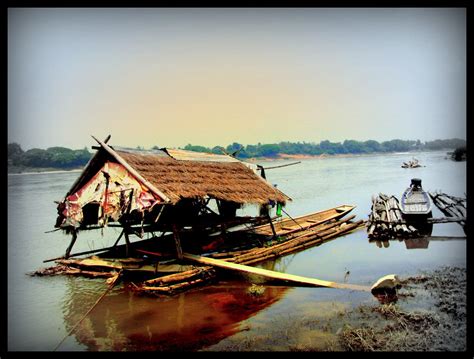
(36,157)
(217,150)
(372,146)
(15,152)
(268,150)
(351,146)
(190,147)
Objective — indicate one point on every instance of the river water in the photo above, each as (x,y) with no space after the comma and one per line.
(41,310)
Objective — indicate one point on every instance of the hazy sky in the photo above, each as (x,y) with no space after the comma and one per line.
(170,77)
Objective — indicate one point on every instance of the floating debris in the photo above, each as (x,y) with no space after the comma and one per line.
(412,164)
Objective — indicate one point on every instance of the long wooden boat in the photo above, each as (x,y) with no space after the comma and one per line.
(415,201)
(289,225)
(415,206)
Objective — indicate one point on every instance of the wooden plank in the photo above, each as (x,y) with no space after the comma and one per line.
(287,278)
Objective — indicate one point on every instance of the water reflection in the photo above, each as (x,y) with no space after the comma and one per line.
(125,321)
(413,243)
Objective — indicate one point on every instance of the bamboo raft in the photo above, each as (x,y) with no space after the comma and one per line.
(165,275)
(451,206)
(296,241)
(386,220)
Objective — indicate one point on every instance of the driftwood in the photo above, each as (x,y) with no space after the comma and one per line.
(66,270)
(411,164)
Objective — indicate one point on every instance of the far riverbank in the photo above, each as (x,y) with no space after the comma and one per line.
(13,170)
(280,157)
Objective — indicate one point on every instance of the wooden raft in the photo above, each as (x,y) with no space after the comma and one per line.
(296,242)
(293,235)
(451,206)
(385,219)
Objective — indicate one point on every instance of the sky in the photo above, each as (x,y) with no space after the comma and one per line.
(213,76)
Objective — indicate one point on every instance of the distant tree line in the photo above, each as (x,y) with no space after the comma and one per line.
(65,158)
(53,157)
(328,147)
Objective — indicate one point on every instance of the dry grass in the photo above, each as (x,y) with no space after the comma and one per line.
(442,328)
(378,328)
(229,181)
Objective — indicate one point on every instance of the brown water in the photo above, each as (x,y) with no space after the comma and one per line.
(41,310)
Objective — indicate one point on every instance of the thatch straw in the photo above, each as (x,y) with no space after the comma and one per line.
(228,181)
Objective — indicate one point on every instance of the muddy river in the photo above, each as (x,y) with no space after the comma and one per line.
(41,310)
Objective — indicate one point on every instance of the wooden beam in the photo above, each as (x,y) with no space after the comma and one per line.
(285,165)
(179,250)
(73,240)
(137,175)
(86,252)
(287,278)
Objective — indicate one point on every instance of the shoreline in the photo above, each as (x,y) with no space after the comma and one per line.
(410,323)
(35,171)
(284,156)
(279,157)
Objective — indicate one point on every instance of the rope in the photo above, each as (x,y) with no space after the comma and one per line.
(292,218)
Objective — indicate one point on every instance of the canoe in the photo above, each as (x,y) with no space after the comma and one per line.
(415,206)
(290,225)
(415,201)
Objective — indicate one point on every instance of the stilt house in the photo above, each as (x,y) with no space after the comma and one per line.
(166,190)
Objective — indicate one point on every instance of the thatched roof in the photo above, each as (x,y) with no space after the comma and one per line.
(173,175)
(229,180)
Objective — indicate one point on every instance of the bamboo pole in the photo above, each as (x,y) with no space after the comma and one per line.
(287,278)
(285,165)
(301,246)
(290,242)
(111,285)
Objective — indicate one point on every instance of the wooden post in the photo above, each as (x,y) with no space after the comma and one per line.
(87,252)
(271,225)
(177,241)
(73,240)
(127,242)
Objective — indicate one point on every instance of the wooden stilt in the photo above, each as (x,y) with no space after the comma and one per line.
(179,250)
(118,239)
(73,240)
(127,243)
(271,225)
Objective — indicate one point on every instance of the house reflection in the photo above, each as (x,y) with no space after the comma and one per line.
(125,321)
